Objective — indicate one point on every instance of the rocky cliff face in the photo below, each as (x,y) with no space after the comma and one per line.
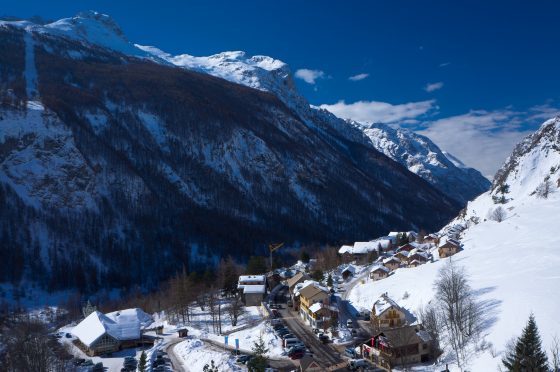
(117,167)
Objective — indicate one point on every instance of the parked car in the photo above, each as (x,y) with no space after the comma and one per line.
(323,338)
(295,348)
(356,364)
(289,342)
(287,335)
(243,359)
(78,361)
(349,323)
(290,303)
(351,352)
(297,355)
(283,332)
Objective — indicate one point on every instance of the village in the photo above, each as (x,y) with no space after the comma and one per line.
(296,318)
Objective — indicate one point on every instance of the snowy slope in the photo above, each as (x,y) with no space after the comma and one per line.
(513,265)
(424,158)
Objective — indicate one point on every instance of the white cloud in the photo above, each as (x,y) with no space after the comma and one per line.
(358,77)
(431,87)
(444,64)
(481,139)
(375,112)
(309,76)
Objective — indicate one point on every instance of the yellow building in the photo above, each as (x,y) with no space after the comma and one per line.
(314,301)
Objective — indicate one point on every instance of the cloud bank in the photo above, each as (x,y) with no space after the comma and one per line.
(375,112)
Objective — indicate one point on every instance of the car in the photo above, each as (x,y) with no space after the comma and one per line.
(356,364)
(287,335)
(78,361)
(283,332)
(349,323)
(295,348)
(68,335)
(351,352)
(297,355)
(87,363)
(324,338)
(243,359)
(290,303)
(275,313)
(278,326)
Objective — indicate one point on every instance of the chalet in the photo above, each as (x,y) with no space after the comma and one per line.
(360,250)
(386,314)
(415,263)
(300,277)
(398,346)
(379,272)
(402,255)
(252,289)
(406,247)
(418,255)
(102,333)
(431,238)
(392,263)
(449,248)
(348,271)
(312,293)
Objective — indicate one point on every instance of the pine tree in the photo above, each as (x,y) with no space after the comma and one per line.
(142,363)
(528,354)
(258,362)
(329,280)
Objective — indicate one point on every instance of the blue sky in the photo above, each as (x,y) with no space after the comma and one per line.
(475,76)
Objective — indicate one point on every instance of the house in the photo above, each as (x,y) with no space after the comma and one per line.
(402,255)
(348,271)
(418,255)
(398,346)
(386,314)
(312,293)
(406,247)
(182,332)
(431,238)
(102,333)
(379,272)
(360,250)
(252,289)
(449,248)
(415,263)
(300,277)
(308,364)
(392,263)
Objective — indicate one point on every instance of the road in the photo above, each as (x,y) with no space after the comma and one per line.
(324,355)
(176,364)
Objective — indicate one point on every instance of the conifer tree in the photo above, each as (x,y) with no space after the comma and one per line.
(329,280)
(142,363)
(258,362)
(528,354)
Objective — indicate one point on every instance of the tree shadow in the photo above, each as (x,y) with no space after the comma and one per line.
(489,309)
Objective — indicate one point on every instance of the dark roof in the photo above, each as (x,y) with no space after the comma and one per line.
(406,335)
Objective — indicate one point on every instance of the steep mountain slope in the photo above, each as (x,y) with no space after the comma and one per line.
(512,264)
(422,157)
(110,161)
(416,152)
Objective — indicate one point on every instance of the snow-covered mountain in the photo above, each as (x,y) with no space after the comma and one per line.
(512,264)
(417,153)
(113,157)
(422,157)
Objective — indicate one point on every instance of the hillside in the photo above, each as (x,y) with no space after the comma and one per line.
(512,264)
(112,160)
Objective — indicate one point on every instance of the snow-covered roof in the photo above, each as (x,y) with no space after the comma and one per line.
(254,288)
(252,278)
(403,253)
(391,259)
(419,252)
(383,304)
(366,247)
(379,267)
(121,325)
(349,268)
(315,307)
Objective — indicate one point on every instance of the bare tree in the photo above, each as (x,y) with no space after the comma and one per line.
(555,354)
(428,317)
(235,309)
(498,214)
(458,311)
